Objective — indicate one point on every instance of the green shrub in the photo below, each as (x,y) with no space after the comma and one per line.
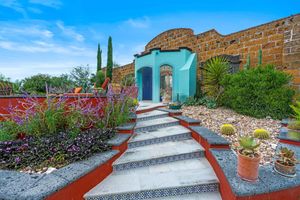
(206,101)
(259,92)
(261,133)
(214,71)
(100,78)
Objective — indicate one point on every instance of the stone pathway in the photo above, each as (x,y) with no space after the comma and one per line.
(162,162)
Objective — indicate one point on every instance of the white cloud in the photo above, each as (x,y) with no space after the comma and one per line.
(35,10)
(24,30)
(69,31)
(139,23)
(48,3)
(15,5)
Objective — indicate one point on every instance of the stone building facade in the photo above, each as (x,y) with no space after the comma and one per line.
(279,41)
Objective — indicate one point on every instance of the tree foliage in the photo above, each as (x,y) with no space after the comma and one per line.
(109,67)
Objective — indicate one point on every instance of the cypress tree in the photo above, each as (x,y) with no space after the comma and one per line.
(99,58)
(109,66)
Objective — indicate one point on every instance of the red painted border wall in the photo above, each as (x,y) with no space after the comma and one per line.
(225,189)
(78,188)
(5,102)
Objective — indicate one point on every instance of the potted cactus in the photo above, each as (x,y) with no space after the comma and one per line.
(175,105)
(286,162)
(248,158)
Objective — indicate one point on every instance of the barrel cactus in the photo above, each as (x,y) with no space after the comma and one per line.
(261,133)
(227,129)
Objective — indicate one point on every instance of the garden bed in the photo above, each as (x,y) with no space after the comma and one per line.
(245,125)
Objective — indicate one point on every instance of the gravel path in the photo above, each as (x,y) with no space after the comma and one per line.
(245,125)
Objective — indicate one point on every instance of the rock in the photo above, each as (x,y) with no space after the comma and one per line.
(50,169)
(231,120)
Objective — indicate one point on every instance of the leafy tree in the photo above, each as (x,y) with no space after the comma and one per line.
(4,78)
(109,67)
(99,58)
(36,84)
(82,77)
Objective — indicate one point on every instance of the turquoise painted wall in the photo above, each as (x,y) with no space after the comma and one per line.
(183,63)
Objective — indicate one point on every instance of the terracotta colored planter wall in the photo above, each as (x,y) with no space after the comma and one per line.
(5,102)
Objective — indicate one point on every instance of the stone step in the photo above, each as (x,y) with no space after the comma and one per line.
(155,124)
(155,136)
(170,179)
(197,196)
(158,153)
(155,114)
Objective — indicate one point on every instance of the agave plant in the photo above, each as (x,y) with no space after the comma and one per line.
(215,70)
(296,109)
(248,146)
(287,157)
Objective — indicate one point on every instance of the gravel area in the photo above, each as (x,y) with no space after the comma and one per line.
(245,125)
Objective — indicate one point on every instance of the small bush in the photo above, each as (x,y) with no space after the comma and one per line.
(128,80)
(259,92)
(57,150)
(100,78)
(227,129)
(206,101)
(261,134)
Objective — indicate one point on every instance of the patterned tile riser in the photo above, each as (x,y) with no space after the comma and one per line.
(178,137)
(137,130)
(210,187)
(152,117)
(157,161)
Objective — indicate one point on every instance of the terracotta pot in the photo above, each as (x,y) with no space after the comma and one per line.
(247,167)
(284,169)
(77,90)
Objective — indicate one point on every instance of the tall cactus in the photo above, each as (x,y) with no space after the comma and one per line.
(259,57)
(247,65)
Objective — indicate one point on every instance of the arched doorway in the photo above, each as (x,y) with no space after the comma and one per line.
(146,74)
(166,83)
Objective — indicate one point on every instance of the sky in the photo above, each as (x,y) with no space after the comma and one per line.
(53,36)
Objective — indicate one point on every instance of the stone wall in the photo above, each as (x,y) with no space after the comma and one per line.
(279,41)
(120,72)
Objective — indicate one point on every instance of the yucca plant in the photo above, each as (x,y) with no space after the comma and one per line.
(215,70)
(248,146)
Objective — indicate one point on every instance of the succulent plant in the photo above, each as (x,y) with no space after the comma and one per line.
(227,129)
(286,157)
(261,133)
(295,125)
(248,146)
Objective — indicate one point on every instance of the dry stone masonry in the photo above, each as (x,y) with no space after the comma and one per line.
(279,41)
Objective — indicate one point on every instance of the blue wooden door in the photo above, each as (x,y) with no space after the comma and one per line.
(147,83)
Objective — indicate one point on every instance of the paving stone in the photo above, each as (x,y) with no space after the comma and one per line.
(159,150)
(155,123)
(118,139)
(178,174)
(170,110)
(127,126)
(151,115)
(187,119)
(160,132)
(199,196)
(211,137)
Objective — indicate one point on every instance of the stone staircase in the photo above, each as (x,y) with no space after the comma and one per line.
(162,162)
